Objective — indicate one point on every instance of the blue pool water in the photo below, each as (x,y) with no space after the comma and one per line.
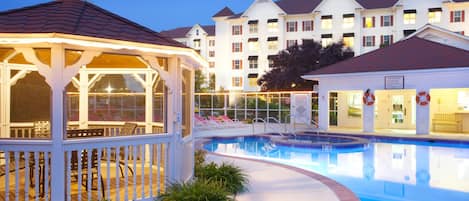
(383,170)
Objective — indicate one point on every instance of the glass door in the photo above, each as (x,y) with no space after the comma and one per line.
(398,111)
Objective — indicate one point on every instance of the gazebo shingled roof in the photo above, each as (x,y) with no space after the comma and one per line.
(78,17)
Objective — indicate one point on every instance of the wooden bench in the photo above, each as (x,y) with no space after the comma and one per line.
(446,122)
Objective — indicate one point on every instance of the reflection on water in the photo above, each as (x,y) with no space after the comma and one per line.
(384,171)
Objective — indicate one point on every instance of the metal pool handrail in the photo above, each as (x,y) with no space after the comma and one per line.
(255,120)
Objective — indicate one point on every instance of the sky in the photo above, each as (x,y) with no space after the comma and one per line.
(156,14)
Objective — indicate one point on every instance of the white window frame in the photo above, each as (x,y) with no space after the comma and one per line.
(237,47)
(237,30)
(253,45)
(387,20)
(211,43)
(237,81)
(308,25)
(272,27)
(326,24)
(410,18)
(253,28)
(348,22)
(211,53)
(237,64)
(457,14)
(368,41)
(253,63)
(272,45)
(434,16)
(292,26)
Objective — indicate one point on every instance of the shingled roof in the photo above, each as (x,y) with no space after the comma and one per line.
(374,4)
(224,12)
(402,56)
(181,32)
(78,17)
(298,6)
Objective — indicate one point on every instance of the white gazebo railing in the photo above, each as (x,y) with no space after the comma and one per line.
(116,168)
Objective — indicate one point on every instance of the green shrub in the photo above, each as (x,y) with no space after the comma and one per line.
(198,190)
(231,177)
(199,157)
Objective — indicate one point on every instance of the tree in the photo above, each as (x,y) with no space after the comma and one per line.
(200,82)
(290,64)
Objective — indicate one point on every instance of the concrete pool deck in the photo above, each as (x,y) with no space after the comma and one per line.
(273,182)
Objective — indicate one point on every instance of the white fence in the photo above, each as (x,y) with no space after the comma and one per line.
(114,168)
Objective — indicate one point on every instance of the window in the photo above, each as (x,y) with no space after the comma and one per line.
(408,32)
(386,40)
(410,16)
(349,39)
(237,64)
(326,22)
(326,39)
(387,21)
(368,41)
(434,15)
(456,16)
(253,79)
(197,32)
(272,43)
(236,30)
(291,43)
(272,25)
(349,21)
(270,58)
(211,43)
(253,62)
(237,47)
(308,25)
(253,26)
(197,43)
(368,22)
(253,44)
(211,64)
(463,100)
(237,81)
(292,26)
(211,53)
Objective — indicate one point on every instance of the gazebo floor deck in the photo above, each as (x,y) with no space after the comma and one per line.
(116,194)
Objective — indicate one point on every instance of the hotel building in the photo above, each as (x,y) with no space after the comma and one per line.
(240,46)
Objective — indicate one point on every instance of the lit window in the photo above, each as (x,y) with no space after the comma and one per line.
(211,53)
(291,43)
(463,100)
(349,21)
(253,26)
(369,22)
(211,43)
(237,64)
(272,25)
(410,16)
(211,64)
(434,15)
(252,80)
(349,40)
(272,43)
(253,44)
(292,26)
(237,47)
(368,41)
(457,16)
(237,30)
(387,21)
(308,25)
(326,39)
(386,40)
(326,22)
(253,62)
(197,43)
(237,81)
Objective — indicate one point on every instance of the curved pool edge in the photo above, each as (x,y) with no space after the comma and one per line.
(342,192)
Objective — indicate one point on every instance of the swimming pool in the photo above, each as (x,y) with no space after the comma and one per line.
(385,169)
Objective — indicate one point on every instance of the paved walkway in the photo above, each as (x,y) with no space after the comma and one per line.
(276,183)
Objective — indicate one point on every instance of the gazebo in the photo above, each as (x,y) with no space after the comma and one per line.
(93,106)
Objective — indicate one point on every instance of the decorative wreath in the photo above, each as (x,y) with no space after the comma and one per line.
(369,98)
(423,98)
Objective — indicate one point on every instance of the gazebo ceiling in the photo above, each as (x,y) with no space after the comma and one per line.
(79,18)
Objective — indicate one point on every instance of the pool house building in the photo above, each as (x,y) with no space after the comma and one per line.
(418,85)
(66,65)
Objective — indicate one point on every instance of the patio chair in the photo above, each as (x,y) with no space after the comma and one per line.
(232,122)
(41,129)
(83,156)
(126,130)
(202,122)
